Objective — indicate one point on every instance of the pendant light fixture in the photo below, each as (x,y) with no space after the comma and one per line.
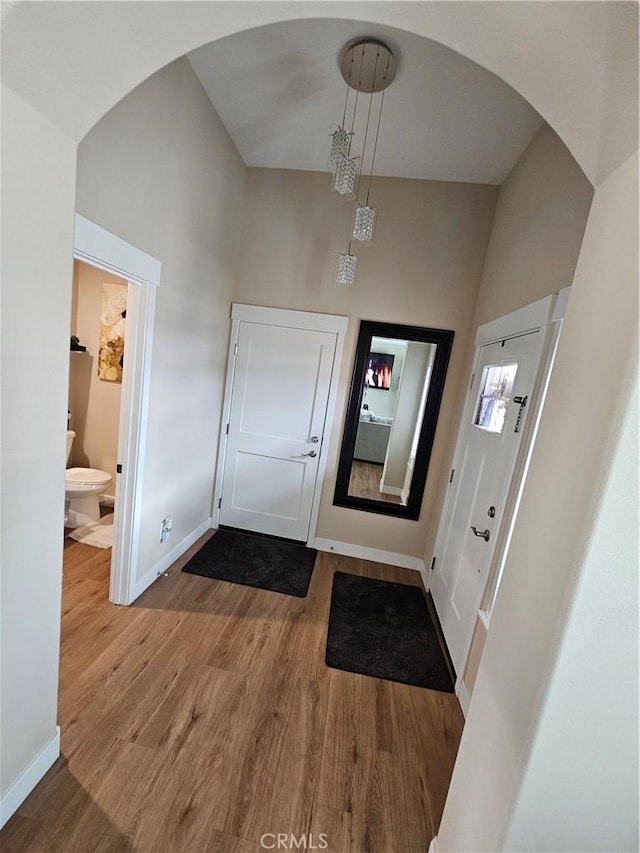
(368,66)
(347,268)
(343,165)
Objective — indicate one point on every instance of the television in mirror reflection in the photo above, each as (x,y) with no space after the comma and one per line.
(379,370)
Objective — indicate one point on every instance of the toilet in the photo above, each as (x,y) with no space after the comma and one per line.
(82,487)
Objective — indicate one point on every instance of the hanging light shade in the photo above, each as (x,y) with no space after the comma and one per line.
(344,176)
(346,269)
(364,223)
(340,145)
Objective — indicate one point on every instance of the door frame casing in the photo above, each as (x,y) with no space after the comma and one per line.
(306,320)
(552,331)
(544,315)
(100,248)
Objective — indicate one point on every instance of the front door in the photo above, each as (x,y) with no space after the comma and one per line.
(277,416)
(484,465)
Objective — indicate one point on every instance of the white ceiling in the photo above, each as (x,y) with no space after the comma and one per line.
(279,93)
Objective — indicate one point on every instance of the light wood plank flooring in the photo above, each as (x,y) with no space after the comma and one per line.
(364,482)
(203,717)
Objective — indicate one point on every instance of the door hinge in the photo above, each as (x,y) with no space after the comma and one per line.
(473,376)
(453,471)
(219,503)
(235,350)
(227,429)
(118,468)
(433,564)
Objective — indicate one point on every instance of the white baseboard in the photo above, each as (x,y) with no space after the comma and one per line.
(29,778)
(463,696)
(168,560)
(391,490)
(433,847)
(373,554)
(426,577)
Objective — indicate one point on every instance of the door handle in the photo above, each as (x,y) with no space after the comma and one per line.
(483,534)
(311,453)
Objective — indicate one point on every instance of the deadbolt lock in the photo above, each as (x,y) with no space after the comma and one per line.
(491,512)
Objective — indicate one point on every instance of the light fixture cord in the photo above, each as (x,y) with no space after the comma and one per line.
(375,144)
(355,107)
(366,129)
(346,100)
(355,103)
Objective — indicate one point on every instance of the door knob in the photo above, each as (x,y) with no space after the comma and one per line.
(311,453)
(483,534)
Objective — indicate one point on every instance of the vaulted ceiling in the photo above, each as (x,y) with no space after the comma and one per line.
(279,92)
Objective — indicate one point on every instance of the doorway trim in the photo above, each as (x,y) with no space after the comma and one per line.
(545,315)
(332,323)
(100,248)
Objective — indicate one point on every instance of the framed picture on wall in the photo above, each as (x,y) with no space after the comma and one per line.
(112,332)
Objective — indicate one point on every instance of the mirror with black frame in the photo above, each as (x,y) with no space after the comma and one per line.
(396,390)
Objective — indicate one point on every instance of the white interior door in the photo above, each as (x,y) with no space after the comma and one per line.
(277,415)
(487,449)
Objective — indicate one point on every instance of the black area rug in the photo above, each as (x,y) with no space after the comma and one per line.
(384,629)
(255,560)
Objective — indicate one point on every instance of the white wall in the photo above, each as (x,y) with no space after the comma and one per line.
(552,548)
(161,172)
(38,171)
(540,217)
(585,749)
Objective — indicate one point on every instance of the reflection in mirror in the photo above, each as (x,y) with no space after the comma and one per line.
(395,396)
(389,423)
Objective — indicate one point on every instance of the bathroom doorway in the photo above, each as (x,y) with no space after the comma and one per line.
(96,365)
(110,258)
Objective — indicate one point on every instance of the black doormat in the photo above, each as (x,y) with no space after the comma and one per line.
(255,560)
(384,629)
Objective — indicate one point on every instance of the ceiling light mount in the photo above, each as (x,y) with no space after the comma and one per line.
(368,65)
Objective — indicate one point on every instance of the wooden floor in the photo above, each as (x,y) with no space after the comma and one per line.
(203,717)
(364,482)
